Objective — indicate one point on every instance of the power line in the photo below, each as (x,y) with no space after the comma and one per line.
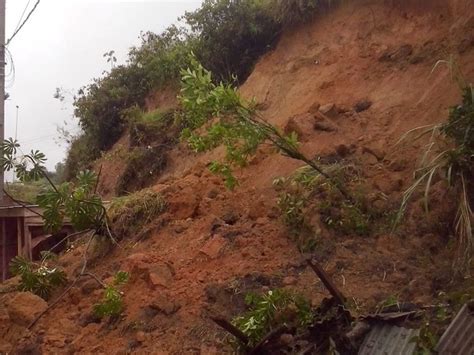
(23,23)
(22,15)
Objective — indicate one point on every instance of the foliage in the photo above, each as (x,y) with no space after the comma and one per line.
(26,192)
(40,279)
(232,35)
(293,201)
(448,155)
(292,12)
(227,36)
(112,303)
(307,192)
(268,311)
(80,155)
(130,213)
(236,125)
(76,201)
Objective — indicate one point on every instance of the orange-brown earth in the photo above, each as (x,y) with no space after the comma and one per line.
(212,245)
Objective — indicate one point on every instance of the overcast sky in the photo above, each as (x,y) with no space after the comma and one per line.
(62,45)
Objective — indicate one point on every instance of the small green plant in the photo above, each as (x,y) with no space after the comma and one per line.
(38,278)
(293,202)
(131,213)
(268,311)
(426,341)
(307,191)
(112,302)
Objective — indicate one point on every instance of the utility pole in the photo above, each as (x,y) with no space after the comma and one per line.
(2,90)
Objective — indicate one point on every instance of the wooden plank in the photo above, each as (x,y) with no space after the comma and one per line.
(18,235)
(29,254)
(4,251)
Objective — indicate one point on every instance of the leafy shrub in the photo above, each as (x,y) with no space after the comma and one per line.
(39,279)
(292,12)
(80,155)
(268,311)
(306,192)
(232,35)
(130,213)
(112,303)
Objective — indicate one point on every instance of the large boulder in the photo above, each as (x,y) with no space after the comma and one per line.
(24,307)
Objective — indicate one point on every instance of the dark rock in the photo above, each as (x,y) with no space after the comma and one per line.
(164,305)
(362,105)
(343,150)
(89,286)
(324,126)
(465,45)
(230,217)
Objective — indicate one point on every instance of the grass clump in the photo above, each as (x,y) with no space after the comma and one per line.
(129,214)
(449,156)
(270,310)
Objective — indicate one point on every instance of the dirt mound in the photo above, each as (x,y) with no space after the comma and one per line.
(350,84)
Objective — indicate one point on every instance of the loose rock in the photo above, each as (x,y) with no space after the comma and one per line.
(24,307)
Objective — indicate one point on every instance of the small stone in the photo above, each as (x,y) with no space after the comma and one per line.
(230,217)
(160,275)
(140,336)
(89,286)
(289,280)
(362,105)
(213,193)
(165,305)
(213,247)
(329,110)
(324,126)
(286,339)
(343,150)
(24,307)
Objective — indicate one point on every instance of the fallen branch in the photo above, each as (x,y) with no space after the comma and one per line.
(232,329)
(328,283)
(270,336)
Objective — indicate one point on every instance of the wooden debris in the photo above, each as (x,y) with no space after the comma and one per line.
(328,283)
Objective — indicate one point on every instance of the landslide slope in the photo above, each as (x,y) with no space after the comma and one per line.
(367,66)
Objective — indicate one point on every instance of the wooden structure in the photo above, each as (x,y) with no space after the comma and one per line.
(22,233)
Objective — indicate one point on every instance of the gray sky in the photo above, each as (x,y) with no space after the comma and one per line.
(62,45)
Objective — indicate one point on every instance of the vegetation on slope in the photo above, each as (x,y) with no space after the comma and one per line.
(226,36)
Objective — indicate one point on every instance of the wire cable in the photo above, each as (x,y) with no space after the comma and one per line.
(22,15)
(23,23)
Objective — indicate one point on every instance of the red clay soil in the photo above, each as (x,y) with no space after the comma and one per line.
(214,245)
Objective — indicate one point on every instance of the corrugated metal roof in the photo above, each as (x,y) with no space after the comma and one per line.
(459,337)
(389,340)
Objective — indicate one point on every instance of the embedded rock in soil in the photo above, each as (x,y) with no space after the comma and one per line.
(160,275)
(302,125)
(24,307)
(213,247)
(329,110)
(164,305)
(362,105)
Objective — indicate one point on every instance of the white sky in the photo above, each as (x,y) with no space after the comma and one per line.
(62,45)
